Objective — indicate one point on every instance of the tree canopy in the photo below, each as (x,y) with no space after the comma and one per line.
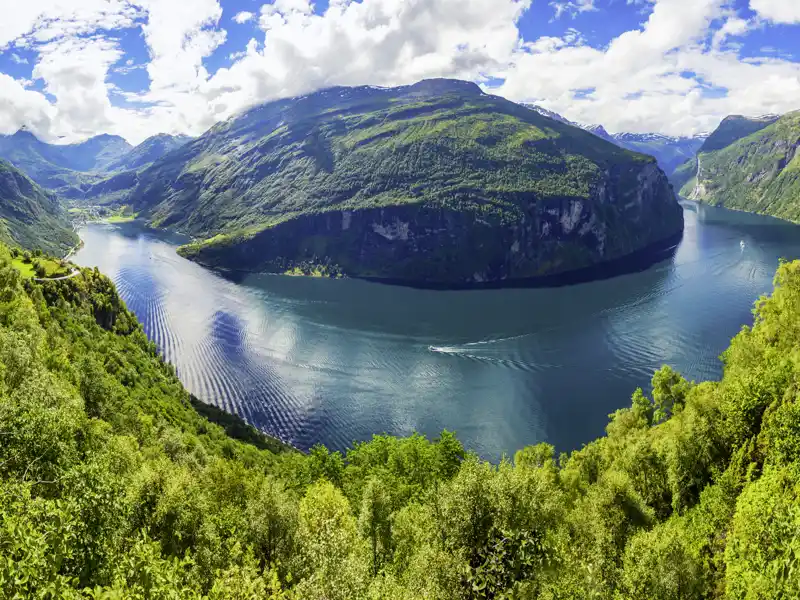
(112,485)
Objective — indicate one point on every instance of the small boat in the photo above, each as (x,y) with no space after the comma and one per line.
(741,244)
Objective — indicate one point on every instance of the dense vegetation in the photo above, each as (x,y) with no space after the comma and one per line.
(30,217)
(112,485)
(758,173)
(431,182)
(731,129)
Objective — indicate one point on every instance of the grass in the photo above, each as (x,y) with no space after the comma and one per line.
(120,218)
(53,268)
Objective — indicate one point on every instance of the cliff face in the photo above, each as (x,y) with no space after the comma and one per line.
(424,243)
(758,173)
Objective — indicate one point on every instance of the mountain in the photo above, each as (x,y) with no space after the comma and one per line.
(735,127)
(599,131)
(758,173)
(670,152)
(30,217)
(95,154)
(147,152)
(72,169)
(435,182)
(549,114)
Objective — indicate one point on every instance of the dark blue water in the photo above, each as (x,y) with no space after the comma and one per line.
(333,361)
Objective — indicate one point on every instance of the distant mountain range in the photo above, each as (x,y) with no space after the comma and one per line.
(72,169)
(670,152)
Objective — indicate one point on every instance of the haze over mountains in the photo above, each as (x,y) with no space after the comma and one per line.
(670,152)
(71,169)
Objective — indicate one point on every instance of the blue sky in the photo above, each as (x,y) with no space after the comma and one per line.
(74,68)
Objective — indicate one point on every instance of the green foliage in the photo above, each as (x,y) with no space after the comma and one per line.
(112,485)
(758,173)
(30,217)
(431,182)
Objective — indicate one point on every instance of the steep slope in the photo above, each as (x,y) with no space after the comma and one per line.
(735,127)
(731,129)
(29,217)
(435,182)
(758,173)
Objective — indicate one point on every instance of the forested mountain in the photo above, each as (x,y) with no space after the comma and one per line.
(30,217)
(112,485)
(435,182)
(757,173)
(731,129)
(60,167)
(71,169)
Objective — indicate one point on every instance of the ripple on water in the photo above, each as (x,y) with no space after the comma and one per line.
(336,361)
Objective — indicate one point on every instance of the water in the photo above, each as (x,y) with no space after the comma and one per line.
(333,361)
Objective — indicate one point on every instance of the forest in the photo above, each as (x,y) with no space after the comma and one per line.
(113,485)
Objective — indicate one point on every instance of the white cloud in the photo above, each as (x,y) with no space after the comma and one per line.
(678,73)
(779,11)
(663,77)
(243,17)
(18,59)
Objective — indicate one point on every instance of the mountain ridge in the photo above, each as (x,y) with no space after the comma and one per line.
(759,172)
(392,182)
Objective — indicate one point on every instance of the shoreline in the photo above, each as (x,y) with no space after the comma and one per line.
(636,262)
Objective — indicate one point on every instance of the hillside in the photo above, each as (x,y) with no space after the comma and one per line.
(731,129)
(30,217)
(759,173)
(669,152)
(435,182)
(113,486)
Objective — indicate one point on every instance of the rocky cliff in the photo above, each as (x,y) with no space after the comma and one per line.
(758,173)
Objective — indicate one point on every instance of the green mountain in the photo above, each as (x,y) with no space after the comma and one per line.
(61,167)
(113,486)
(735,127)
(758,173)
(731,129)
(30,217)
(435,182)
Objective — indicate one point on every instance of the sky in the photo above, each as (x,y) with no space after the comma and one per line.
(71,69)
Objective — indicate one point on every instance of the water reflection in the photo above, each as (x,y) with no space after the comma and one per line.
(338,360)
